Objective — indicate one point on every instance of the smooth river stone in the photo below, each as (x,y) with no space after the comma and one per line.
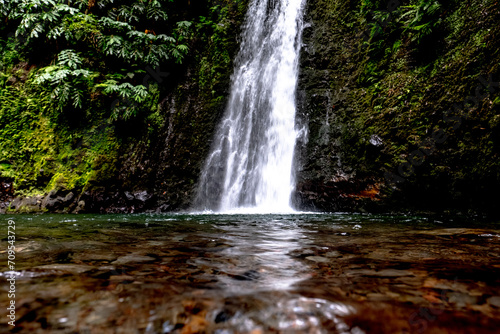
(495,301)
(133,258)
(94,257)
(333,254)
(71,268)
(381,273)
(318,259)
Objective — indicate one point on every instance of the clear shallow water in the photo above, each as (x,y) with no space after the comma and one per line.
(300,273)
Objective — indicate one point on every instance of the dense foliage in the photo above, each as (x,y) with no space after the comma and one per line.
(69,69)
(94,48)
(84,82)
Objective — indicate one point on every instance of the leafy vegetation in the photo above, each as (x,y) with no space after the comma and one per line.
(92,44)
(410,25)
(85,87)
(68,67)
(67,80)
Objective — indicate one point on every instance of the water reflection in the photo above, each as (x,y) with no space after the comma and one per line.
(262,250)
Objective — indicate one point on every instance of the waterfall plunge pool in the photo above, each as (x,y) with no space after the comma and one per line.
(300,273)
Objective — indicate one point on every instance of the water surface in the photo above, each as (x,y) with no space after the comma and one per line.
(300,273)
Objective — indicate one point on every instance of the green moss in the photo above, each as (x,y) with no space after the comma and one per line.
(41,154)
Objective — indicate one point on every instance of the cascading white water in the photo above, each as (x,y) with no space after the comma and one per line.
(251,161)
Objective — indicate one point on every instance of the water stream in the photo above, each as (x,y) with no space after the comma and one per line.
(250,163)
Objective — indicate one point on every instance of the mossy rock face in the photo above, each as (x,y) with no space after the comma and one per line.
(372,102)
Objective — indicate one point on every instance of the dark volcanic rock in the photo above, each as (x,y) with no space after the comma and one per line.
(6,193)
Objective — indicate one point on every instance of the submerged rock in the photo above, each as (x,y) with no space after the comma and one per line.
(318,259)
(70,268)
(133,258)
(249,275)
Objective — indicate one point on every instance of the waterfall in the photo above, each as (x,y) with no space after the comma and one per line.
(250,165)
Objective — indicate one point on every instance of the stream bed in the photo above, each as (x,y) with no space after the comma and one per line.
(294,273)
